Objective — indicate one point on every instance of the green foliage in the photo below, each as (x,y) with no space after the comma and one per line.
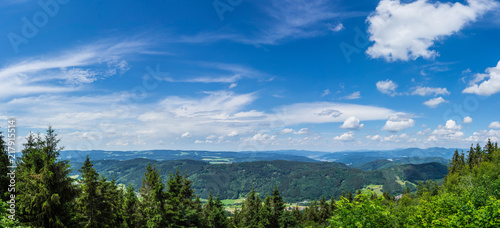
(130,209)
(361,212)
(297,181)
(4,163)
(46,193)
(469,196)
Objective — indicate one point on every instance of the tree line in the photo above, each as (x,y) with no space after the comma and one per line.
(46,196)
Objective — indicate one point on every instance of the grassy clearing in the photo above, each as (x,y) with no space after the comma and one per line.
(377,189)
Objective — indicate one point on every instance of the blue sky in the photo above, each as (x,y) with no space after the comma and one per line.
(252,75)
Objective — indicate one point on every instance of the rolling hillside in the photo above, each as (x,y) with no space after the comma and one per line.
(297,181)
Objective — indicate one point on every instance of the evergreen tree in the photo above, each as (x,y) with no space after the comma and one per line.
(277,208)
(324,210)
(153,199)
(489,149)
(46,193)
(214,214)
(250,210)
(175,209)
(480,156)
(90,204)
(457,162)
(4,163)
(130,209)
(265,214)
(471,158)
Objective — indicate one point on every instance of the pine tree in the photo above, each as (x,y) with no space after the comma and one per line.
(480,156)
(324,210)
(471,158)
(277,208)
(489,149)
(455,163)
(312,213)
(332,204)
(4,163)
(46,193)
(90,202)
(154,197)
(175,209)
(130,208)
(250,210)
(266,214)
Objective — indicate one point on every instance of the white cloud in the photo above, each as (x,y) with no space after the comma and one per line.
(387,87)
(325,92)
(450,131)
(348,136)
(483,136)
(398,122)
(186,135)
(375,137)
(302,131)
(425,91)
(489,83)
(286,131)
(66,71)
(494,125)
(467,120)
(353,96)
(433,103)
(352,123)
(336,28)
(327,112)
(233,85)
(262,137)
(403,31)
(232,134)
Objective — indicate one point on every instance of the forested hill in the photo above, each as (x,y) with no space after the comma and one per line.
(210,156)
(360,157)
(296,181)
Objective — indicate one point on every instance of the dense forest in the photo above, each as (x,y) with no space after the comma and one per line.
(296,181)
(46,196)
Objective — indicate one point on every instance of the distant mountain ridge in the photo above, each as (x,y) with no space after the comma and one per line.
(347,157)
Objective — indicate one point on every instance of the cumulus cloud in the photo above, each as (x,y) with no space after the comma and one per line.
(398,122)
(348,136)
(484,135)
(374,137)
(425,91)
(302,131)
(263,138)
(286,131)
(494,125)
(186,135)
(403,31)
(353,96)
(387,87)
(299,132)
(485,84)
(352,123)
(336,28)
(328,112)
(467,120)
(433,103)
(451,131)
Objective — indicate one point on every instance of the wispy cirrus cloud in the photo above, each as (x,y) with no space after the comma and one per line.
(66,71)
(222,73)
(281,21)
